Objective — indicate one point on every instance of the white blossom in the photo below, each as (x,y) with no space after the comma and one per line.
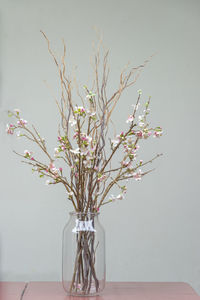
(115,142)
(17,111)
(72,121)
(120,197)
(135,107)
(70,194)
(76,151)
(56,152)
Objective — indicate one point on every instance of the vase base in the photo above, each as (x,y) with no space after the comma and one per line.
(77,291)
(84,295)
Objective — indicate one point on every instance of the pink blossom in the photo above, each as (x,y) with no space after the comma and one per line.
(137,147)
(125,164)
(75,135)
(79,110)
(27,154)
(51,166)
(85,138)
(130,119)
(63,147)
(10,128)
(60,169)
(138,175)
(53,169)
(101,178)
(139,134)
(157,134)
(125,148)
(129,166)
(21,122)
(9,131)
(147,134)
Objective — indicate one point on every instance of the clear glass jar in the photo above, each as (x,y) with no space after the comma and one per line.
(83,266)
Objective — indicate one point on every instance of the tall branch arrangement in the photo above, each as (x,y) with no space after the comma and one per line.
(84,144)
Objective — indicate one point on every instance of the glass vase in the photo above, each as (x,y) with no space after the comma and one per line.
(83,266)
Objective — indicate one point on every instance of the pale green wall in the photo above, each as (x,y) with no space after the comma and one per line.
(154,234)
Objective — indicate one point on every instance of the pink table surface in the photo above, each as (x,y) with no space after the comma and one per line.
(117,291)
(11,290)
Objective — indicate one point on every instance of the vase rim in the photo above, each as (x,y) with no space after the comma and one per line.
(80,213)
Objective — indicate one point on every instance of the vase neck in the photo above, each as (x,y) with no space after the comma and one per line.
(84,215)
